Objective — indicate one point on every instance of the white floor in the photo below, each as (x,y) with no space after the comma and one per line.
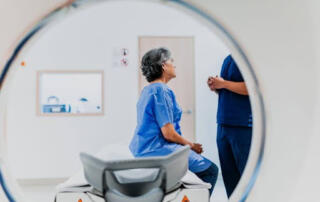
(45,192)
(219,192)
(40,192)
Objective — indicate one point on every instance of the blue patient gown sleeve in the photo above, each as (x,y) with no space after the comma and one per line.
(162,110)
(157,107)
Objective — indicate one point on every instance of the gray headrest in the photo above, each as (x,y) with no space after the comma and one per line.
(165,171)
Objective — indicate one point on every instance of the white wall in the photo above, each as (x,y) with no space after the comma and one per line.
(48,147)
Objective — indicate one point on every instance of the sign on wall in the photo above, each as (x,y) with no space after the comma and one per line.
(120,57)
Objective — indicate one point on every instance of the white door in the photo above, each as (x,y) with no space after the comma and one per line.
(182,50)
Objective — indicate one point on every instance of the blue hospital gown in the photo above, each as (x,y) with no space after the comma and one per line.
(157,107)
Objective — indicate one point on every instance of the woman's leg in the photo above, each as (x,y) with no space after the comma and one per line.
(209,175)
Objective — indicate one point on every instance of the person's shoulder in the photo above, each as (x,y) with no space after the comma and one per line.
(228,58)
(162,91)
(158,88)
(227,61)
(234,65)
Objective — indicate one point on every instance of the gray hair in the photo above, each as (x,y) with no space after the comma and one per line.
(152,61)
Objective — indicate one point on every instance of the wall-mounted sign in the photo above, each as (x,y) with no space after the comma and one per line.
(120,57)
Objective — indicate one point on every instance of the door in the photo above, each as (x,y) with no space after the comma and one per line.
(182,50)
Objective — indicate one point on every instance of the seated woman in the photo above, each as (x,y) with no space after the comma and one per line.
(158,131)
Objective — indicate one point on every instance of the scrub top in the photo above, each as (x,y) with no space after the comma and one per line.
(157,106)
(233,109)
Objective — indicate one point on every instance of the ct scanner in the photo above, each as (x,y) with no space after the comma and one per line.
(276,44)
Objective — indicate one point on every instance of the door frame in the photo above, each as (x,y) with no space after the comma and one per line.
(140,37)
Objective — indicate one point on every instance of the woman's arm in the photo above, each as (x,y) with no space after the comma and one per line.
(171,135)
(236,87)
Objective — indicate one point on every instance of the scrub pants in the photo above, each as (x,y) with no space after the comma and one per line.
(233,146)
(209,175)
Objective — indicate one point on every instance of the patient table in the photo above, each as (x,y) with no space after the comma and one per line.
(152,179)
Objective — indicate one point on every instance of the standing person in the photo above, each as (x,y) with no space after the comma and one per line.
(234,121)
(158,131)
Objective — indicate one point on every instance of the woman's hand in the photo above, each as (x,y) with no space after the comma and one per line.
(170,134)
(217,83)
(209,82)
(197,148)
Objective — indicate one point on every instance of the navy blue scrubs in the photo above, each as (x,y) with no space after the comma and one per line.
(234,132)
